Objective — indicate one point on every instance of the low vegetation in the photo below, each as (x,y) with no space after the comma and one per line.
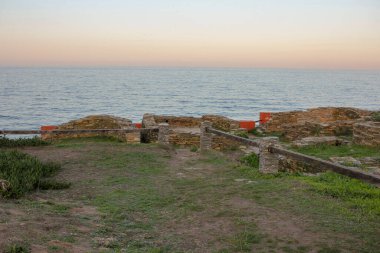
(376,116)
(327,151)
(21,173)
(150,198)
(21,142)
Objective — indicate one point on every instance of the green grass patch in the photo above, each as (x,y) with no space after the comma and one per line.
(21,142)
(22,172)
(85,141)
(359,195)
(327,151)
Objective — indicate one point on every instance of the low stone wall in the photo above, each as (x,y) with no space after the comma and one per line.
(218,122)
(92,122)
(324,121)
(367,133)
(149,135)
(184,139)
(223,143)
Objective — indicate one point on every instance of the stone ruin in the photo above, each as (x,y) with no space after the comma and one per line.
(185,131)
(367,133)
(97,122)
(323,121)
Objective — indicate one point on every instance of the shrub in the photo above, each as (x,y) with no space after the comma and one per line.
(376,116)
(194,149)
(17,248)
(22,172)
(242,134)
(21,142)
(252,160)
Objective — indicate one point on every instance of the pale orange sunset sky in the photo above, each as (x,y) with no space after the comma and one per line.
(215,33)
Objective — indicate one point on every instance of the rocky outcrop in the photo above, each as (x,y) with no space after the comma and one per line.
(324,121)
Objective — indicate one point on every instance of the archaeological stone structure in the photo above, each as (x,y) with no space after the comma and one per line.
(367,133)
(324,121)
(98,122)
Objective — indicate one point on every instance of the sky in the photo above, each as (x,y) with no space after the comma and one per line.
(323,34)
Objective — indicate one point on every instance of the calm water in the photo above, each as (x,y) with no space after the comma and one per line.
(37,96)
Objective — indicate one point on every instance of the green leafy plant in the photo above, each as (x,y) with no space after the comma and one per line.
(22,172)
(376,116)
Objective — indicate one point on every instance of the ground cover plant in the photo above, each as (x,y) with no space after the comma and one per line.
(22,172)
(327,151)
(21,142)
(151,198)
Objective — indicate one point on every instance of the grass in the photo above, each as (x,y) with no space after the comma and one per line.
(22,172)
(360,196)
(154,199)
(327,151)
(17,247)
(21,142)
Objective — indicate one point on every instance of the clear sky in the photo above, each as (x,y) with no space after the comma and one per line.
(226,33)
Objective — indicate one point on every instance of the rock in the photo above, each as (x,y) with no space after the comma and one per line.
(346,161)
(327,140)
(222,123)
(98,122)
(149,121)
(106,242)
(4,185)
(367,133)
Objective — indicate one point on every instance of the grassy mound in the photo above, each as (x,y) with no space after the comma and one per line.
(20,173)
(21,142)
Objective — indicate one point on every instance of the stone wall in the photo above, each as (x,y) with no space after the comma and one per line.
(367,133)
(217,121)
(324,121)
(97,122)
(293,166)
(130,137)
(184,139)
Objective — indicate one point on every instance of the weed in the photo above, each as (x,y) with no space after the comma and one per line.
(251,160)
(194,149)
(375,116)
(242,134)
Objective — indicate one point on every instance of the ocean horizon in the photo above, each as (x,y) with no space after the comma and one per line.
(34,96)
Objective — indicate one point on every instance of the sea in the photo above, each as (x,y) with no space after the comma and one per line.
(31,97)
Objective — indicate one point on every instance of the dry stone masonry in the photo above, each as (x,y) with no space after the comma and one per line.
(367,133)
(324,121)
